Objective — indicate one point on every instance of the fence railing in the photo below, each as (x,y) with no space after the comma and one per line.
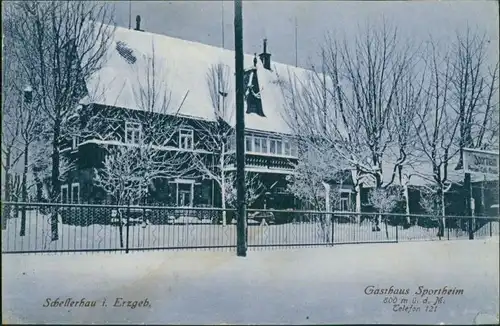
(43,227)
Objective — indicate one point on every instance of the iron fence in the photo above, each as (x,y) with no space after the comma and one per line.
(43,227)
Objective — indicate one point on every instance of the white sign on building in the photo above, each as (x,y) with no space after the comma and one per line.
(482,162)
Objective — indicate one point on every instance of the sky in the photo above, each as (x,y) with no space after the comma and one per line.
(205,21)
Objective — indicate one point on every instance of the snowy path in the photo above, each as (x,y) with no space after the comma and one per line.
(319,285)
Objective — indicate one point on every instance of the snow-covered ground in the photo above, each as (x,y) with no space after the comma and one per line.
(303,286)
(150,236)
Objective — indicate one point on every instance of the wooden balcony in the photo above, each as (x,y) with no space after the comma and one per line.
(278,164)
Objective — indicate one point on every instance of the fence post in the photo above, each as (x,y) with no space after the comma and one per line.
(491,229)
(144,224)
(246,229)
(448,230)
(471,229)
(128,228)
(332,218)
(397,232)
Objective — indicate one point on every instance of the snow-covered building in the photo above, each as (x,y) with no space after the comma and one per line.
(138,61)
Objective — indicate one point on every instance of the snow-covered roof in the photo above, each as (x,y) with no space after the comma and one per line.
(182,67)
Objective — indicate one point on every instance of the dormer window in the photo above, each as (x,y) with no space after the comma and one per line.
(186,139)
(133,132)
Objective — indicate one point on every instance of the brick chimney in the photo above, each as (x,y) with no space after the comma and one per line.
(265,57)
(138,23)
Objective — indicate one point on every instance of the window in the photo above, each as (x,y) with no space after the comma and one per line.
(294,150)
(64,194)
(248,143)
(232,142)
(272,146)
(133,132)
(264,145)
(287,148)
(256,144)
(75,193)
(345,202)
(279,147)
(186,138)
(76,142)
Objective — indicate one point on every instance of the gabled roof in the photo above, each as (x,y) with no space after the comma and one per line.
(182,67)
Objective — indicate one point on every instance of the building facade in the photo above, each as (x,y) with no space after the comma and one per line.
(123,120)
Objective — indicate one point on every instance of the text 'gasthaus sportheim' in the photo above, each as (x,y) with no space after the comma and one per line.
(419,291)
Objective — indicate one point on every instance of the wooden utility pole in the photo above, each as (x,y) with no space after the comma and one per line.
(296,45)
(468,203)
(241,226)
(222,22)
(129,14)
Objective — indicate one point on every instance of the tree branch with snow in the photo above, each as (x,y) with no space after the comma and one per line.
(319,167)
(384,200)
(474,91)
(350,103)
(61,44)
(437,127)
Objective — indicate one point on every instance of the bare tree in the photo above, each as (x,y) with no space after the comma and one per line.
(437,128)
(385,200)
(144,155)
(11,129)
(253,185)
(218,137)
(432,200)
(353,103)
(22,124)
(474,91)
(30,132)
(474,97)
(128,173)
(366,79)
(317,168)
(409,96)
(61,45)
